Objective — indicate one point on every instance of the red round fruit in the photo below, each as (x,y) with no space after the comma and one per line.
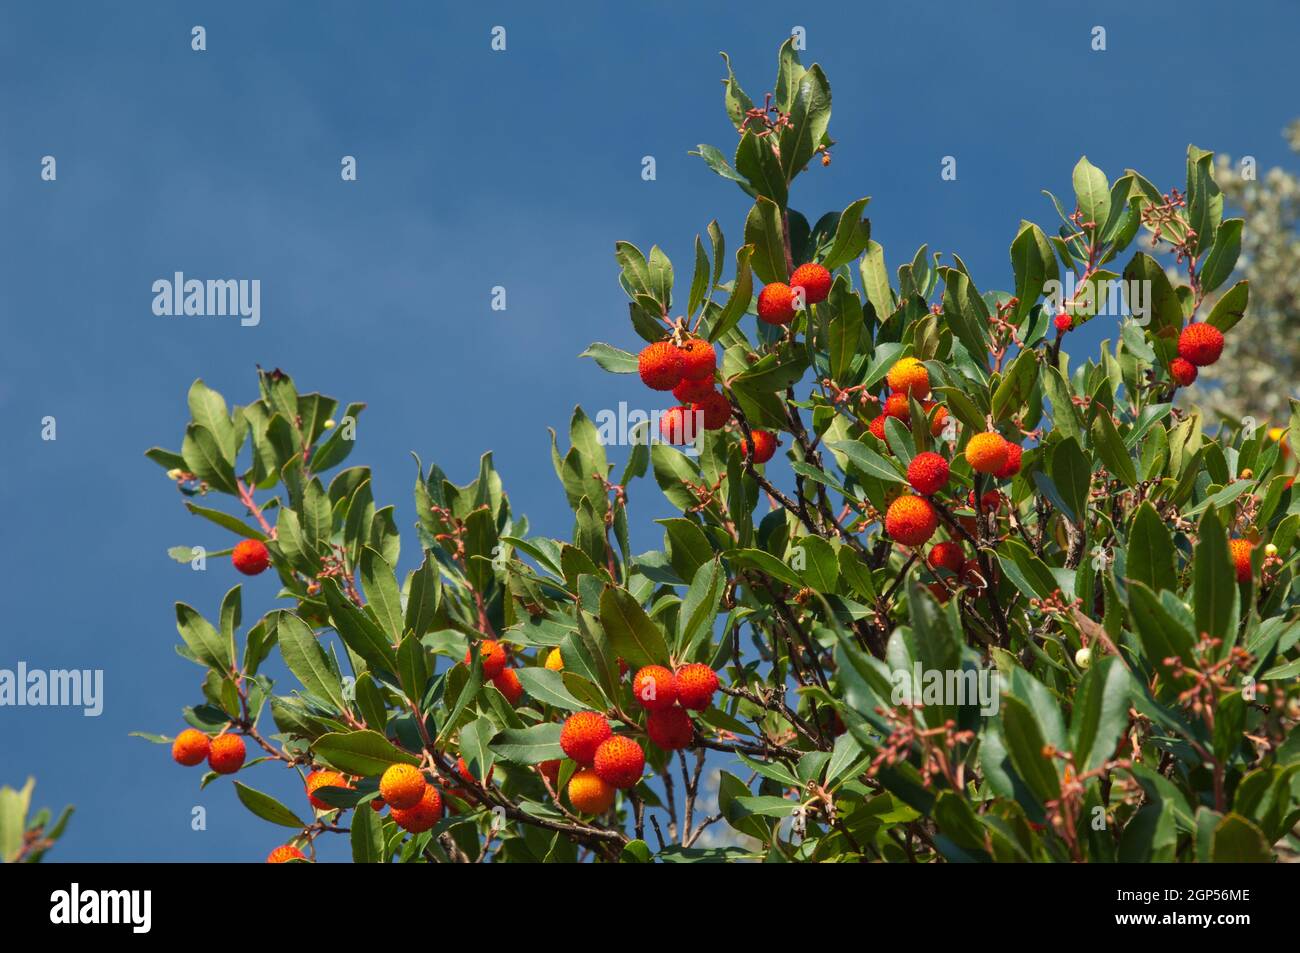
(897,406)
(582,734)
(226,754)
(1063,322)
(619,762)
(815,281)
(653,687)
(423,816)
(927,473)
(494,657)
(877,427)
(190,747)
(776,304)
(660,365)
(325,779)
(716,410)
(508,684)
(946,555)
(1014,453)
(670,729)
(699,360)
(764,446)
(695,684)
(1200,343)
(678,425)
(250,556)
(689,391)
(284,854)
(911,520)
(1183,371)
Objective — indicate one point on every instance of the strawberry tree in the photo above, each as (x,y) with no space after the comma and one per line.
(933,591)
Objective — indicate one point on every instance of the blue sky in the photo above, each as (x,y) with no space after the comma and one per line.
(476,169)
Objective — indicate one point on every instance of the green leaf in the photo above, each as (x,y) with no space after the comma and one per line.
(867,460)
(742,292)
(267,807)
(357,630)
(307,660)
(1025,744)
(1238,840)
(1214,582)
(14,805)
(757,163)
(204,641)
(205,458)
(1230,308)
(1100,713)
(875,280)
(1222,258)
(1151,551)
(367,836)
(1111,448)
(852,235)
(611,358)
(548,687)
(365,753)
(810,115)
(226,521)
(382,595)
(763,230)
(208,408)
(530,745)
(633,635)
(1070,472)
(1034,263)
(1092,192)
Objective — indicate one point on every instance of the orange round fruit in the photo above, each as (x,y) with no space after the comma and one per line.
(402,786)
(911,520)
(582,734)
(190,747)
(588,793)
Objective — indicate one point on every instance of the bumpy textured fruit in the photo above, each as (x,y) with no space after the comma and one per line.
(660,365)
(508,684)
(1063,322)
(1183,371)
(987,452)
(946,555)
(589,794)
(1239,550)
(776,303)
(877,427)
(938,420)
(226,754)
(190,747)
(494,657)
(909,377)
(911,520)
(928,472)
(670,729)
(285,853)
(402,786)
(678,425)
(689,391)
(423,815)
(325,779)
(250,556)
(1009,469)
(653,688)
(764,446)
(619,762)
(582,734)
(695,684)
(716,410)
(555,661)
(1200,343)
(815,281)
(699,360)
(896,406)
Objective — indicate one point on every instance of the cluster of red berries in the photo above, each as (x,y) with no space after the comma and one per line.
(778,302)
(908,378)
(495,670)
(609,762)
(687,369)
(1199,345)
(414,804)
(225,753)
